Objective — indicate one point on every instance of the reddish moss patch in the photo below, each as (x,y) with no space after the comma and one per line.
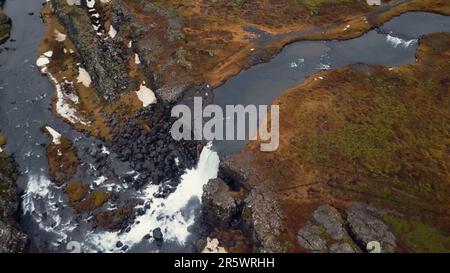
(94,200)
(374,135)
(76,191)
(63,160)
(115,219)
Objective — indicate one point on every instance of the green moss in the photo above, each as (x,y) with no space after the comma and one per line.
(419,237)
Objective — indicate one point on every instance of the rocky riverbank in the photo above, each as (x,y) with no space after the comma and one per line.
(12,239)
(361,163)
(119,66)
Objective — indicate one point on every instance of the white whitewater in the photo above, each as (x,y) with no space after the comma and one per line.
(166,214)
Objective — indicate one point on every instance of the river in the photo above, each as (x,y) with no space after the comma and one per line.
(25,97)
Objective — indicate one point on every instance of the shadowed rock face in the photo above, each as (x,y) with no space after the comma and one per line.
(220,204)
(12,239)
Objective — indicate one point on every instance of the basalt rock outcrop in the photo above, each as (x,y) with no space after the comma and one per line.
(105,59)
(12,239)
(230,202)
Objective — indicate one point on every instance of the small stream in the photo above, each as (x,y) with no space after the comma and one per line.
(25,97)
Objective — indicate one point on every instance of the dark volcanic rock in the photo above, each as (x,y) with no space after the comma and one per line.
(158,236)
(103,59)
(12,239)
(218,203)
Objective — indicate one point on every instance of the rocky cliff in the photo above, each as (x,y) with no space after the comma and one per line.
(12,239)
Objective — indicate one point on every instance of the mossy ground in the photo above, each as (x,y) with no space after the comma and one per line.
(93,200)
(215,46)
(376,134)
(63,160)
(115,219)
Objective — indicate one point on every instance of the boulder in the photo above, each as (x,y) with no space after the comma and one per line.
(220,206)
(366,225)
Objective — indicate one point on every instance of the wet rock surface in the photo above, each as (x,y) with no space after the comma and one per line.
(153,153)
(228,203)
(12,239)
(220,205)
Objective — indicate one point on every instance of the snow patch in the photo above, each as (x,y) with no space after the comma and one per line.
(59,37)
(212,246)
(136,59)
(112,32)
(64,109)
(84,77)
(146,95)
(55,135)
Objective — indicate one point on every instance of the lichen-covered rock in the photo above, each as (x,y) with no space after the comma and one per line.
(220,206)
(265,230)
(325,232)
(310,237)
(330,219)
(366,226)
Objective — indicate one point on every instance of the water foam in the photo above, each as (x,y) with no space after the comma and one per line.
(170,214)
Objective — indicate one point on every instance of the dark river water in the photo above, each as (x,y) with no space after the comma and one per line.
(393,44)
(25,97)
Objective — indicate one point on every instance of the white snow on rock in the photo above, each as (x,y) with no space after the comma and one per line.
(55,135)
(48,54)
(90,3)
(112,32)
(146,95)
(100,180)
(373,2)
(136,59)
(42,61)
(64,109)
(59,37)
(84,77)
(396,42)
(175,228)
(212,246)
